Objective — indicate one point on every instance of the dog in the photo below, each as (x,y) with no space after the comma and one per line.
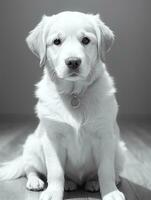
(77,141)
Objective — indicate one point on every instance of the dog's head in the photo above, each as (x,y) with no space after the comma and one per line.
(71,43)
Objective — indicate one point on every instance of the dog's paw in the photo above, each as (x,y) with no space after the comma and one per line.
(34,183)
(70,185)
(49,194)
(115,195)
(92,186)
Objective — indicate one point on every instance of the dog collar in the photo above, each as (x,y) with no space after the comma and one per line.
(75,101)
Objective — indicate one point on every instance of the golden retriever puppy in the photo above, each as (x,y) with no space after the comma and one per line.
(77,140)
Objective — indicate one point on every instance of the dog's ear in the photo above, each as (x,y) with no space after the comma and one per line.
(36,40)
(105,37)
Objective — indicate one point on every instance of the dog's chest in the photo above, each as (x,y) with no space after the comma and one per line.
(72,126)
(80,160)
(79,139)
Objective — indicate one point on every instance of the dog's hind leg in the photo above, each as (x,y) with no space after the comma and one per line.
(34,163)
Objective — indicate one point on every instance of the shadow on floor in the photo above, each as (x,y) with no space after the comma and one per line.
(132,191)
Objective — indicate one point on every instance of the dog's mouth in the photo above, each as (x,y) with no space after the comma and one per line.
(73,74)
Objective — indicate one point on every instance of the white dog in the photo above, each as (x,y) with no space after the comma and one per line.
(77,138)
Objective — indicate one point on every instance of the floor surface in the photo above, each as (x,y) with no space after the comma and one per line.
(136,177)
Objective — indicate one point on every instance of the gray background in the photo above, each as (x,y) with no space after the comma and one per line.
(129,61)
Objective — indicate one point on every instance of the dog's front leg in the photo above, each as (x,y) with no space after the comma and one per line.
(105,157)
(55,158)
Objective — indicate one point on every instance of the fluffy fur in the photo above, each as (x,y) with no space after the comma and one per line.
(80,144)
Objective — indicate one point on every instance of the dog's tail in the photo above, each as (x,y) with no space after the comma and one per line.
(12,169)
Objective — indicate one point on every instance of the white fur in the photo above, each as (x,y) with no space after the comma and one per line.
(79,143)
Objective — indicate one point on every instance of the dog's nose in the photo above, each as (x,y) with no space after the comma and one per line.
(73,63)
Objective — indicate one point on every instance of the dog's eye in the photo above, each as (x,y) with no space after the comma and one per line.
(57,41)
(85,40)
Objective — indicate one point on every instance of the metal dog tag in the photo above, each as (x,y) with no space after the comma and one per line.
(75,101)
